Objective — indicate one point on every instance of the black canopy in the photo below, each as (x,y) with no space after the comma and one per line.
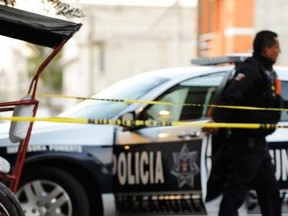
(35,28)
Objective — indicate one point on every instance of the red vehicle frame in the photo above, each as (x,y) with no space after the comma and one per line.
(39,30)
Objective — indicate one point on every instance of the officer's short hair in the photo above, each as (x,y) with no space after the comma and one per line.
(264,39)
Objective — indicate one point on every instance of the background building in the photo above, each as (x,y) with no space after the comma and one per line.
(229,26)
(118,41)
(13,73)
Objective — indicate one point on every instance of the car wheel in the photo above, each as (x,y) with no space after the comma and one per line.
(51,191)
(9,205)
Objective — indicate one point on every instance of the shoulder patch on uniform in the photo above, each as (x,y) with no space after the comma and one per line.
(240,77)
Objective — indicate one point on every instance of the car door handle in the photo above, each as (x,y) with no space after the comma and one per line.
(189,135)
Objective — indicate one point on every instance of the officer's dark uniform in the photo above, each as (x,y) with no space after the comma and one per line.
(249,163)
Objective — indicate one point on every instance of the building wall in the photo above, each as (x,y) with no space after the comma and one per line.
(116,42)
(272,15)
(225,26)
(14,82)
(229,26)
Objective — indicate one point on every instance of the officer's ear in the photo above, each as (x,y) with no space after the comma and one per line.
(266,51)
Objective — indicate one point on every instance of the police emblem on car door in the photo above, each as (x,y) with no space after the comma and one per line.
(157,170)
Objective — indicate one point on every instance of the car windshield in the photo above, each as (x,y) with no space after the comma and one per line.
(131,88)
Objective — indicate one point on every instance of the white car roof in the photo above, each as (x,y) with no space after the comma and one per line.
(171,73)
(282,72)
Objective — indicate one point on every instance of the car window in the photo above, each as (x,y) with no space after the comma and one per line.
(284,87)
(131,88)
(196,93)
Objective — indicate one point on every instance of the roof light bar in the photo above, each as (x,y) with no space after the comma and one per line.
(233,58)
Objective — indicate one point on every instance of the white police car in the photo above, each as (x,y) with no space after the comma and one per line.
(90,169)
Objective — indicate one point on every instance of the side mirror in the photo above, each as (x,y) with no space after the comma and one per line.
(127,121)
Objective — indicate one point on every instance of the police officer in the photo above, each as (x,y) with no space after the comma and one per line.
(249,163)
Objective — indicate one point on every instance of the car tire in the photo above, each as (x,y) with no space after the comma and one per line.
(51,191)
(9,204)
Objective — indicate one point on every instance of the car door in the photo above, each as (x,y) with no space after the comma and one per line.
(158,170)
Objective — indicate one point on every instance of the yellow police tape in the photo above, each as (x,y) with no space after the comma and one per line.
(161,102)
(131,123)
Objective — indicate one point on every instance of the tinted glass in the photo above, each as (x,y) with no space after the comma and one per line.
(186,101)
